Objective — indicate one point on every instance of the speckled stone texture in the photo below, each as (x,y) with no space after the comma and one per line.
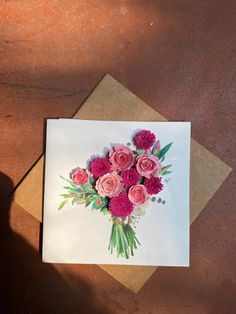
(179,57)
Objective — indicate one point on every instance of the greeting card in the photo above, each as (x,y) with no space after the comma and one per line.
(117,192)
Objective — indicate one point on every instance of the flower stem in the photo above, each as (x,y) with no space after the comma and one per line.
(123,239)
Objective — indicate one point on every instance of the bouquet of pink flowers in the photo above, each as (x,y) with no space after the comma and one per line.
(120,184)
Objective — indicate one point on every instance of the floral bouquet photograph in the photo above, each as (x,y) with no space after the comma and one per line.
(121,184)
(117,192)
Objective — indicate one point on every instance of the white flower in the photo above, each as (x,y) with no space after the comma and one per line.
(139,210)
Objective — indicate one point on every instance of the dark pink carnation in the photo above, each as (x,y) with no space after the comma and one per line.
(153,185)
(120,206)
(99,166)
(130,177)
(144,139)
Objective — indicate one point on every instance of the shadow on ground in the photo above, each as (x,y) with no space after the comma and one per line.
(49,293)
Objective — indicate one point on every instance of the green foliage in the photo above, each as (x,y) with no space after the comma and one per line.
(104,210)
(162,158)
(163,151)
(75,199)
(83,194)
(165,170)
(65,195)
(62,204)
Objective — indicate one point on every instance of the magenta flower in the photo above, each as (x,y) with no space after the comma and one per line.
(130,177)
(99,166)
(144,139)
(120,206)
(153,185)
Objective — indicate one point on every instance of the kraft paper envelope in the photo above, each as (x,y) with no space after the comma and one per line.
(112,101)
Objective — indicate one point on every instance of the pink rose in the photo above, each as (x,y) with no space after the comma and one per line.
(79,176)
(121,157)
(137,194)
(110,184)
(147,165)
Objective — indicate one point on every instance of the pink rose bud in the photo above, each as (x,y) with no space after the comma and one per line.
(156,147)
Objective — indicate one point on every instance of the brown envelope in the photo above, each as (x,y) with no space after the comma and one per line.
(112,101)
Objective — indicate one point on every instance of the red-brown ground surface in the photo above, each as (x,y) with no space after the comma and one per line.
(179,57)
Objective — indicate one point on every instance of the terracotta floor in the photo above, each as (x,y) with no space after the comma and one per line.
(179,57)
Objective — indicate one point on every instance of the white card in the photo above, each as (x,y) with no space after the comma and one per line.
(117,192)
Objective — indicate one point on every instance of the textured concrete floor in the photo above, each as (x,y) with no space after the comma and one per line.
(179,57)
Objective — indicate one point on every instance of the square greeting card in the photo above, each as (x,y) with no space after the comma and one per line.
(116,192)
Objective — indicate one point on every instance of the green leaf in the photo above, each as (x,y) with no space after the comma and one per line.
(90,189)
(140,151)
(66,195)
(96,206)
(162,159)
(83,188)
(75,199)
(94,198)
(69,188)
(164,169)
(62,204)
(91,180)
(166,172)
(104,210)
(163,151)
(73,185)
(67,180)
(87,203)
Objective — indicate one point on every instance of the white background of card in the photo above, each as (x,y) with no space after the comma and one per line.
(80,235)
